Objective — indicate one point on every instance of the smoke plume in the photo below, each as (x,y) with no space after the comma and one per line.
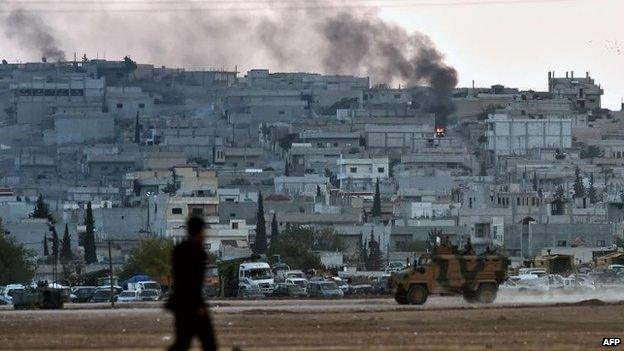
(332,41)
(31,32)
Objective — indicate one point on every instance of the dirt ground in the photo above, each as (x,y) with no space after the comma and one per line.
(575,326)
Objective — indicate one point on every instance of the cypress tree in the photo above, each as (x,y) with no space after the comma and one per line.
(579,188)
(374,253)
(376,211)
(274,230)
(46,252)
(591,191)
(89,242)
(42,210)
(55,246)
(66,253)
(260,246)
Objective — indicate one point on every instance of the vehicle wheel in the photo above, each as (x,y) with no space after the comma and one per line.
(486,293)
(417,294)
(401,299)
(470,296)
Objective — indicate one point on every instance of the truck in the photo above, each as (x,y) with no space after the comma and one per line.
(42,297)
(447,271)
(256,275)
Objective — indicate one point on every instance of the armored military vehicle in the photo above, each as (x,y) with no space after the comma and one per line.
(41,297)
(449,271)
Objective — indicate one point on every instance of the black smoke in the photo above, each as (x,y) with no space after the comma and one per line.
(389,54)
(30,31)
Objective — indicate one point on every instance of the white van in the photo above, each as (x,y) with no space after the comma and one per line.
(256,275)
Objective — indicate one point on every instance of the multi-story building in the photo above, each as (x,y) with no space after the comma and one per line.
(359,175)
(508,136)
(583,93)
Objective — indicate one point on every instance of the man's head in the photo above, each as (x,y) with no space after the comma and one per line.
(195,228)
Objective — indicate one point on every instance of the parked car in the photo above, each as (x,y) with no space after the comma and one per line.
(324,289)
(302,282)
(128,296)
(149,295)
(290,290)
(342,284)
(104,295)
(82,293)
(6,295)
(395,266)
(249,292)
(380,285)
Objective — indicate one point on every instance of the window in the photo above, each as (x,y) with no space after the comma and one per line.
(353,170)
(234,225)
(381,169)
(282,112)
(141,105)
(232,215)
(119,105)
(397,96)
(561,243)
(76,92)
(176,210)
(600,243)
(250,164)
(197,212)
(234,164)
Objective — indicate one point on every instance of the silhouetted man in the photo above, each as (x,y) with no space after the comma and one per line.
(191,314)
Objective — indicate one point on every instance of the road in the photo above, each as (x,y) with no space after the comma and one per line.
(444,323)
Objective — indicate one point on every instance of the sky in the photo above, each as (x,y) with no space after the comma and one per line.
(510,42)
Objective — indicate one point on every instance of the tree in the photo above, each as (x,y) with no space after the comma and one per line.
(89,239)
(287,169)
(560,192)
(66,251)
(42,210)
(16,264)
(482,169)
(591,151)
(579,188)
(260,245)
(297,246)
(152,257)
(376,211)
(274,230)
(137,129)
(318,191)
(591,190)
(55,245)
(374,254)
(363,251)
(46,251)
(534,180)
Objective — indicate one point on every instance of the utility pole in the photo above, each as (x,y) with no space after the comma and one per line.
(110,274)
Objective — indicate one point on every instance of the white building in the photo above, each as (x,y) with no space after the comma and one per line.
(305,185)
(235,233)
(516,136)
(168,214)
(360,174)
(125,102)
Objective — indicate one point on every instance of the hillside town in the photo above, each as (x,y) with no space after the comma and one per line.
(98,156)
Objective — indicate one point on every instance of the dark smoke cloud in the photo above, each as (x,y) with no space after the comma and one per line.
(30,31)
(367,45)
(333,41)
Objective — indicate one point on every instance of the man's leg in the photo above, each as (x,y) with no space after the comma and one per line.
(205,331)
(184,332)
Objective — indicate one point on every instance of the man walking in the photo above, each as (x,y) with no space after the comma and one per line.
(191,314)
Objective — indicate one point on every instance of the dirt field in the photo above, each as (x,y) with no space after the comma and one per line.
(443,324)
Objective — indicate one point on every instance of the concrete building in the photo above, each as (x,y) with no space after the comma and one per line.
(126,102)
(305,185)
(517,136)
(168,214)
(396,140)
(234,233)
(343,141)
(78,129)
(359,175)
(582,92)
